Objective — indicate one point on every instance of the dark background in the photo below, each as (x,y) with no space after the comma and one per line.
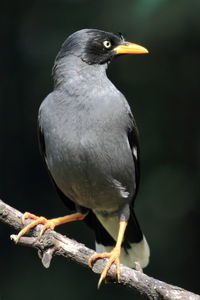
(163,90)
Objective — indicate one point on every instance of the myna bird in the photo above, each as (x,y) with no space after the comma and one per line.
(89,141)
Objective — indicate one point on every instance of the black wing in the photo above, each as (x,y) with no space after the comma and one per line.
(133,233)
(133,138)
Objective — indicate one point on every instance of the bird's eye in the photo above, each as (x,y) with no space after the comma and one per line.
(107,44)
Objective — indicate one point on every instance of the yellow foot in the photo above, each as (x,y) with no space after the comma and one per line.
(36,220)
(113,258)
(48,224)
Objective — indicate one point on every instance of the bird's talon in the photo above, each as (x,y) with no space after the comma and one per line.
(47,224)
(28,215)
(95,257)
(36,220)
(113,257)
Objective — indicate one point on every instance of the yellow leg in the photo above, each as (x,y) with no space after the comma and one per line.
(48,224)
(113,256)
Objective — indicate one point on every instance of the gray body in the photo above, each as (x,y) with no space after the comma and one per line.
(85,131)
(89,140)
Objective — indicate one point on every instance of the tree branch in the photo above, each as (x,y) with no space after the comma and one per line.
(53,243)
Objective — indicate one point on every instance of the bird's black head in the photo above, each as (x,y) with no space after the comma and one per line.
(96,46)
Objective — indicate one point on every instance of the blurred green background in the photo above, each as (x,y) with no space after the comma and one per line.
(163,91)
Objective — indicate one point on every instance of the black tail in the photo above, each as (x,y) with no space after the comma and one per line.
(133,233)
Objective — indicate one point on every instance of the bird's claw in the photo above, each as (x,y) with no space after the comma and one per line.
(48,224)
(113,257)
(28,215)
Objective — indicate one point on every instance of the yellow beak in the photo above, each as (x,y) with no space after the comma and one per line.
(130,48)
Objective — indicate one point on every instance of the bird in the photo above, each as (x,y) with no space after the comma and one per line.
(89,140)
